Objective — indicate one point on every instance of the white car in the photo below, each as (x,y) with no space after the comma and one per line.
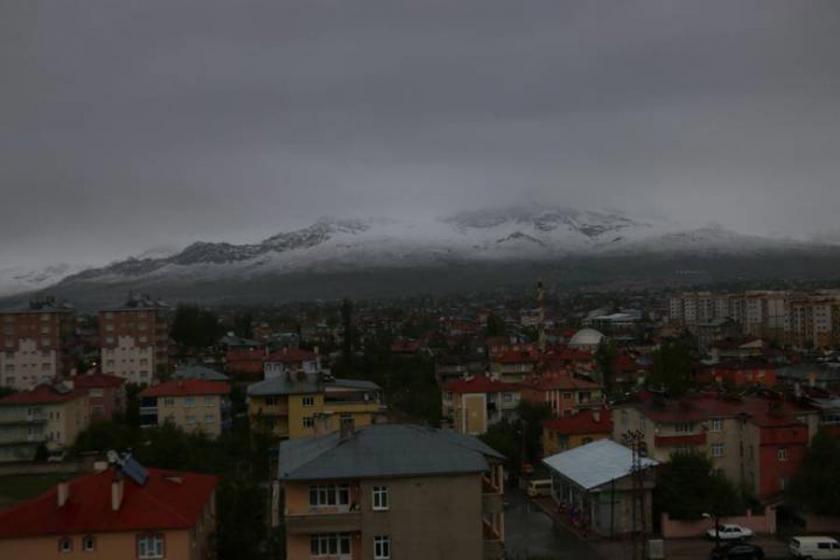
(818,548)
(729,533)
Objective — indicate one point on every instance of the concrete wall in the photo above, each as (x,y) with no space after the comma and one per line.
(107,546)
(760,524)
(130,359)
(203,413)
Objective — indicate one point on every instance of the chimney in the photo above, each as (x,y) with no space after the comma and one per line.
(596,415)
(347,427)
(117,490)
(63,493)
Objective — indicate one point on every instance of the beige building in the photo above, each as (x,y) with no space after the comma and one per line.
(134,340)
(474,404)
(34,343)
(420,493)
(122,512)
(193,405)
(50,415)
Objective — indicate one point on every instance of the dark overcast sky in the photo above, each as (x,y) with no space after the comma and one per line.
(128,125)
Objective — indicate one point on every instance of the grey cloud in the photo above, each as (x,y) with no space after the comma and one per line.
(127,125)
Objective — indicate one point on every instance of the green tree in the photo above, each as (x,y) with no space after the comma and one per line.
(689,486)
(605,357)
(671,368)
(243,325)
(814,487)
(194,327)
(495,325)
(530,421)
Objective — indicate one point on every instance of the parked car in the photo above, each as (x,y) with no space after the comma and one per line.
(729,533)
(56,457)
(737,551)
(539,488)
(817,548)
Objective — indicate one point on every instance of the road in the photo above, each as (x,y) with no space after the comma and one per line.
(529,533)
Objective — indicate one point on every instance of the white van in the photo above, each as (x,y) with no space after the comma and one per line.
(539,487)
(818,548)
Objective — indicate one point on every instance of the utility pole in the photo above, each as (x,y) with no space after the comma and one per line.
(635,441)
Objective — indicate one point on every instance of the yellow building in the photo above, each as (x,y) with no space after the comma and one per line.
(306,404)
(50,415)
(194,405)
(116,513)
(568,432)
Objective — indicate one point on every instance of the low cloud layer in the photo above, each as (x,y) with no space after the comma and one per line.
(131,125)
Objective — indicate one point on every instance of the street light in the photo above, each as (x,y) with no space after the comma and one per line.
(717,528)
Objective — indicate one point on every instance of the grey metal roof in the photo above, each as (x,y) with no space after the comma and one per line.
(381,450)
(281,385)
(197,371)
(595,463)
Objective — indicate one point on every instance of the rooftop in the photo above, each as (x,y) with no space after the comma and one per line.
(198,371)
(594,464)
(186,387)
(291,356)
(583,422)
(97,381)
(283,385)
(479,384)
(167,500)
(43,394)
(383,450)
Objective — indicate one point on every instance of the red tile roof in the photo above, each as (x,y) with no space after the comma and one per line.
(167,501)
(760,411)
(42,394)
(479,384)
(559,381)
(291,356)
(187,387)
(96,381)
(517,357)
(581,423)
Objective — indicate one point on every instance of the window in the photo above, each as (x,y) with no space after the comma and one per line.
(782,454)
(96,392)
(150,546)
(682,427)
(89,543)
(65,545)
(326,495)
(308,422)
(717,450)
(209,419)
(381,548)
(782,483)
(567,396)
(308,401)
(717,425)
(507,397)
(329,545)
(208,401)
(189,401)
(380,498)
(169,401)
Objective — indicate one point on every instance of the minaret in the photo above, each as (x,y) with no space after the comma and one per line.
(541,303)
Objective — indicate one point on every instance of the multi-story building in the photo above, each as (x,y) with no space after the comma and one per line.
(244,358)
(473,404)
(418,493)
(568,432)
(34,344)
(106,394)
(291,361)
(293,405)
(191,404)
(116,513)
(564,392)
(514,365)
(756,442)
(47,415)
(134,340)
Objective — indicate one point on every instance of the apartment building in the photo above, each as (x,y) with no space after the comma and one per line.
(49,415)
(35,343)
(244,358)
(756,442)
(125,511)
(563,391)
(191,404)
(106,394)
(134,340)
(473,404)
(419,493)
(574,430)
(514,365)
(293,405)
(291,361)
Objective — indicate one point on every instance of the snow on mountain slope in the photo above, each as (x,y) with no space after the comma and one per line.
(19,279)
(331,245)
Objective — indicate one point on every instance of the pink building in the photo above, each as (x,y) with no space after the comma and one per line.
(106,394)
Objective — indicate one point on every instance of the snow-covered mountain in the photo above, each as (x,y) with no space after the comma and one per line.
(22,279)
(482,237)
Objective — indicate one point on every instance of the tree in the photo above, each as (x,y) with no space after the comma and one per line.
(531,418)
(814,487)
(495,325)
(194,327)
(605,357)
(243,325)
(671,368)
(689,486)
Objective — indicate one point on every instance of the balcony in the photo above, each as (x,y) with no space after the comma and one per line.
(333,522)
(148,411)
(680,440)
